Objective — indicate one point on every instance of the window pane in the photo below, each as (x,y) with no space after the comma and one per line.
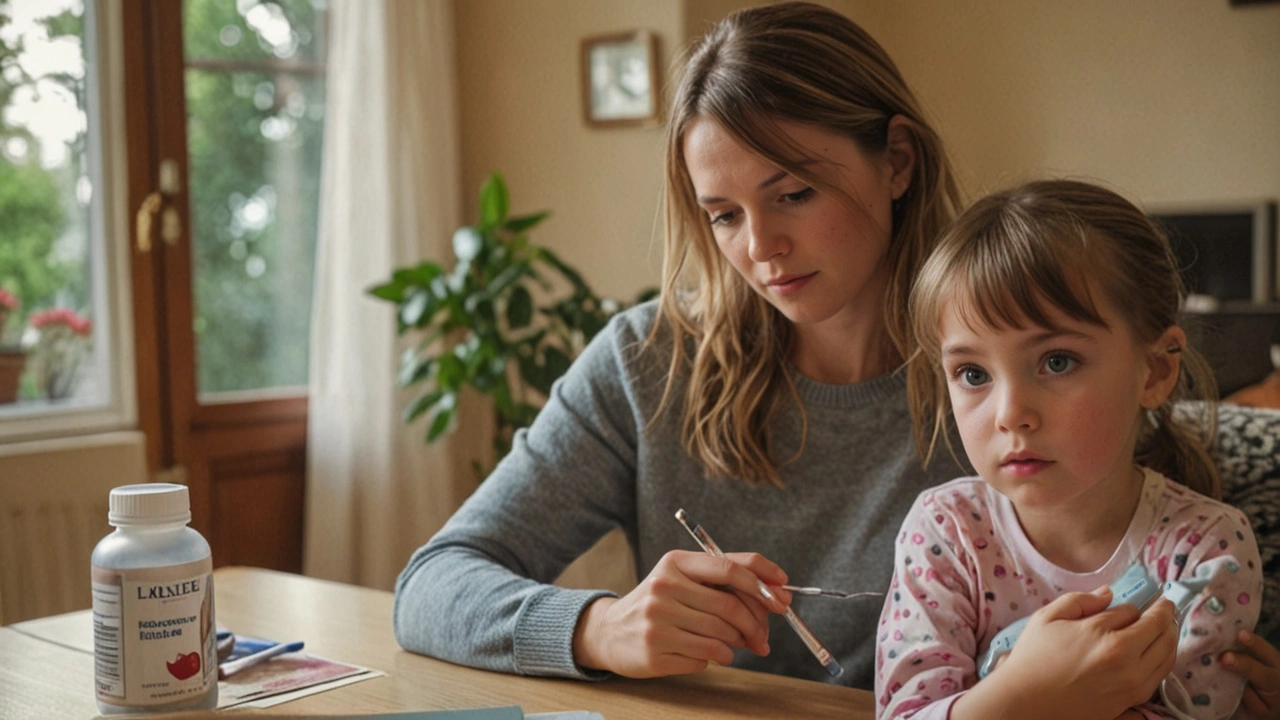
(255,107)
(53,354)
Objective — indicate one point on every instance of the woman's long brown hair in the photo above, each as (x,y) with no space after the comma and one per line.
(802,63)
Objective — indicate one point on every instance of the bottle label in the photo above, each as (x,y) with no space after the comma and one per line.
(153,638)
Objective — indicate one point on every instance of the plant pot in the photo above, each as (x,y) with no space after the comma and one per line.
(11,364)
(59,383)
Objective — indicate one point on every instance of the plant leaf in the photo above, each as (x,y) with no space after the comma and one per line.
(556,363)
(392,291)
(530,372)
(421,274)
(413,370)
(572,275)
(494,202)
(525,414)
(415,308)
(506,277)
(440,423)
(524,222)
(421,405)
(502,398)
(451,373)
(646,295)
(467,243)
(519,308)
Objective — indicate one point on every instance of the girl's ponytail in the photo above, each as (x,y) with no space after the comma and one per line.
(1177,443)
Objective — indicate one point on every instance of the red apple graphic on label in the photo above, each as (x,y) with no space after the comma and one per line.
(184,666)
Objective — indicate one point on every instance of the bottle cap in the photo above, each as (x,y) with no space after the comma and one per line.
(149,504)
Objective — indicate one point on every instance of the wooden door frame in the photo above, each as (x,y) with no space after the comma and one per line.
(238,439)
(146,268)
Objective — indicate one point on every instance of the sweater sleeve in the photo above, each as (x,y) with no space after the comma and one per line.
(479,593)
(1213,543)
(926,641)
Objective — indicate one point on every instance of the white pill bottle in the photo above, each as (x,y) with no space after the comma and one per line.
(154,646)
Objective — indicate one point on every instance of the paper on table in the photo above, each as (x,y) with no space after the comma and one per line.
(506,712)
(271,700)
(284,678)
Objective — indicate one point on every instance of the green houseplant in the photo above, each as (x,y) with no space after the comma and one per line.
(478,324)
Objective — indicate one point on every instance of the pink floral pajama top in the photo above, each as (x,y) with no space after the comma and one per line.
(964,570)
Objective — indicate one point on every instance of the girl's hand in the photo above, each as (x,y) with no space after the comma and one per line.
(1260,664)
(692,608)
(1076,659)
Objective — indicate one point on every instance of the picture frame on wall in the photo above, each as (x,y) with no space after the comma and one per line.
(620,79)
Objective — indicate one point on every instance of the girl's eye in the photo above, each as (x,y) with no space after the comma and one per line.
(970,376)
(1060,363)
(799,197)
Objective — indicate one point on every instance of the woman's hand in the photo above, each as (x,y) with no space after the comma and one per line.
(1260,664)
(692,608)
(1076,659)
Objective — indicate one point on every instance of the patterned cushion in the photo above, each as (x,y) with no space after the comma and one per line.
(1248,457)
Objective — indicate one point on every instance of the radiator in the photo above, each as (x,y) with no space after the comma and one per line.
(53,510)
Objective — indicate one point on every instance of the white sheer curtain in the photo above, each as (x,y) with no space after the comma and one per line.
(389,197)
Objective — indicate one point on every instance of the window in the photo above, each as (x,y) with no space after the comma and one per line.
(61,365)
(255,107)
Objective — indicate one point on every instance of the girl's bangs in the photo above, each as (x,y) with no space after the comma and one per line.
(1011,282)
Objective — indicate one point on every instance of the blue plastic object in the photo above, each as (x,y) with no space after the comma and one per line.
(1135,587)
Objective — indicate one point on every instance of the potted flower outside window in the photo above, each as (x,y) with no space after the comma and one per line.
(12,359)
(62,343)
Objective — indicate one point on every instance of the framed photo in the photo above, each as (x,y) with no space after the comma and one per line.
(620,79)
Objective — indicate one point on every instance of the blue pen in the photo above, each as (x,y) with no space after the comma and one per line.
(234,666)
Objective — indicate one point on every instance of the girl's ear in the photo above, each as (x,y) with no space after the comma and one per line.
(901,150)
(1164,364)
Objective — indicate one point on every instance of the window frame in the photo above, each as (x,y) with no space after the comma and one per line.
(110,241)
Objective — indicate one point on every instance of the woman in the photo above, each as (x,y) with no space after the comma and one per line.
(804,188)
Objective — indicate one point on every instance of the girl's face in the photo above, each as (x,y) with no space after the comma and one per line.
(802,249)
(1050,417)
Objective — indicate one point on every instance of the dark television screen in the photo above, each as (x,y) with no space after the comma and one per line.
(1224,254)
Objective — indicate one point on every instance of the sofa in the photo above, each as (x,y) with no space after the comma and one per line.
(1247,453)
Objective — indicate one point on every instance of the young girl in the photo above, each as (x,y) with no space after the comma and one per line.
(1048,318)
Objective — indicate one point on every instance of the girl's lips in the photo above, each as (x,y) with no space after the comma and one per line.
(791,285)
(1026,467)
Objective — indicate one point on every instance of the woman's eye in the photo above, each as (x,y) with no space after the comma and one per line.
(722,218)
(1059,363)
(970,376)
(799,197)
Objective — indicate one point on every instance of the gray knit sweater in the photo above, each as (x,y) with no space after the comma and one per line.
(478,593)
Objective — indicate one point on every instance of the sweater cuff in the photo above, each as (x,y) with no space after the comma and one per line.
(544,633)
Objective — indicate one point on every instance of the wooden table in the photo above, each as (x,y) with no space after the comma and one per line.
(46,666)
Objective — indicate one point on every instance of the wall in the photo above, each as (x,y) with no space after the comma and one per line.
(1168,101)
(53,510)
(521,113)
(1165,100)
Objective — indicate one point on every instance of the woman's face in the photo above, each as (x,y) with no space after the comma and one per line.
(804,250)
